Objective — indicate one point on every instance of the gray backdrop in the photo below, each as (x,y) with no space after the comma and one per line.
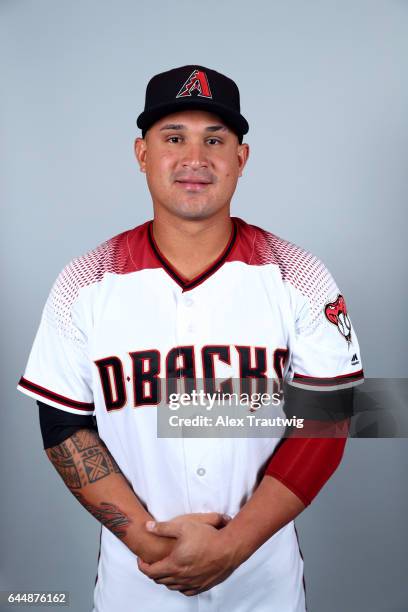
(324,87)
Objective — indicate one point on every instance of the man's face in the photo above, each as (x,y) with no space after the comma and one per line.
(192,162)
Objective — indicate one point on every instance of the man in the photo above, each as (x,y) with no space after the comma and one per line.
(193,294)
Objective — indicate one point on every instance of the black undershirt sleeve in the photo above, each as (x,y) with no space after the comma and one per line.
(57,425)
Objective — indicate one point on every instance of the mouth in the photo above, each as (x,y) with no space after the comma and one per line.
(193,184)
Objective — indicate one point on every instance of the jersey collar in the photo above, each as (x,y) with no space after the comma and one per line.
(185,284)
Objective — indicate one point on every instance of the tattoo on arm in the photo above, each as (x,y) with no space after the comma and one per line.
(108,514)
(84,459)
(63,462)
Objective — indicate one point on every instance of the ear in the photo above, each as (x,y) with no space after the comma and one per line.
(140,153)
(243,154)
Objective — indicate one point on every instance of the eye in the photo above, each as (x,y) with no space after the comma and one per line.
(174,139)
(213,141)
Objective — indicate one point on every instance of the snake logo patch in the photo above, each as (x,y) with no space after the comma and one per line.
(336,313)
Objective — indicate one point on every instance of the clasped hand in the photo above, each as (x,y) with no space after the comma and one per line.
(200,558)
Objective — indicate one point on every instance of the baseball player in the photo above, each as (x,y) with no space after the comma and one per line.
(190,524)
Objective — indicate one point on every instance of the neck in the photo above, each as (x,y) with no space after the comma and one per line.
(191,245)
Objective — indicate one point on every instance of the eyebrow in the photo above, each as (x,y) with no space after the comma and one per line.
(179,126)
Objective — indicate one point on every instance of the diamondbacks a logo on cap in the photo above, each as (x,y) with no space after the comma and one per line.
(196,82)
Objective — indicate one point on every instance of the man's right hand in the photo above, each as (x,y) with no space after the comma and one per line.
(109,497)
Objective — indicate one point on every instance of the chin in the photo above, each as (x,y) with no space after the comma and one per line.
(190,210)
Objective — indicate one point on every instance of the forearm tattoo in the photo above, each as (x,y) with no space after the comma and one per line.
(84,459)
(63,461)
(108,514)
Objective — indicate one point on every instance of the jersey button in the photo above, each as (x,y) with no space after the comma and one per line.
(201,471)
(188,302)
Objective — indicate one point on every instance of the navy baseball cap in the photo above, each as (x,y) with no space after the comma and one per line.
(192,87)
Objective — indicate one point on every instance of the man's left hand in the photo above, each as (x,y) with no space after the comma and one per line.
(199,560)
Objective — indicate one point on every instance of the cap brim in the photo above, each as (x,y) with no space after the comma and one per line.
(232,118)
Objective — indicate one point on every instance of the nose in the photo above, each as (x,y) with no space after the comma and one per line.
(195,156)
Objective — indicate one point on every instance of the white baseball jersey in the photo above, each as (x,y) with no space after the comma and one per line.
(121,314)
